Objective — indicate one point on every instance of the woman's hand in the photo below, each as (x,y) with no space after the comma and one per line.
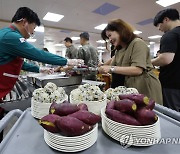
(104,69)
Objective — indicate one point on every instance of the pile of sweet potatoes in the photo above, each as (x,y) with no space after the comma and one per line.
(132,109)
(69,119)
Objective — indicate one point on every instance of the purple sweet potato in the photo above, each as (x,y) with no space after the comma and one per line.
(145,116)
(83,106)
(139,99)
(151,105)
(71,126)
(125,105)
(121,117)
(48,123)
(86,116)
(110,105)
(65,101)
(63,109)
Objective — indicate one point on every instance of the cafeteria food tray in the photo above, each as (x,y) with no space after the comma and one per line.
(26,137)
(59,79)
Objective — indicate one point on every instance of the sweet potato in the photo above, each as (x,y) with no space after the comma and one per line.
(110,105)
(65,101)
(151,105)
(87,117)
(71,126)
(145,116)
(48,123)
(83,106)
(139,99)
(121,117)
(125,105)
(63,109)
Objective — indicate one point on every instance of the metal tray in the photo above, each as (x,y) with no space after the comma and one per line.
(26,137)
(60,81)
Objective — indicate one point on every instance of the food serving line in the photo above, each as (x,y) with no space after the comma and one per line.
(27,136)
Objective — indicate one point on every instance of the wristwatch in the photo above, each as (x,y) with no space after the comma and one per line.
(112,69)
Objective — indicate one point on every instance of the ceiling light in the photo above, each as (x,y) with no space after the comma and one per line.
(100,41)
(155,37)
(101,48)
(166,3)
(137,32)
(151,42)
(31,40)
(75,38)
(59,45)
(39,29)
(53,17)
(100,27)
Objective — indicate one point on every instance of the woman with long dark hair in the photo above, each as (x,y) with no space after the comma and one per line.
(132,61)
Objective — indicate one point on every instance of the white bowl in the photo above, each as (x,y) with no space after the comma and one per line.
(137,135)
(39,110)
(93,106)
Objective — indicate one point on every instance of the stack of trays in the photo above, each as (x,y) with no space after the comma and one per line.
(71,144)
(129,134)
(39,110)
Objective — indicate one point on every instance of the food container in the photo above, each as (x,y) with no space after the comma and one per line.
(131,135)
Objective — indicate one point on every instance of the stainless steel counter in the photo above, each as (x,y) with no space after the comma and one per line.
(26,137)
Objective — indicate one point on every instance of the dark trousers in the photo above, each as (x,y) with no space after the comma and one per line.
(171,98)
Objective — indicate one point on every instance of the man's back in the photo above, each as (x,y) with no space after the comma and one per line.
(89,54)
(71,52)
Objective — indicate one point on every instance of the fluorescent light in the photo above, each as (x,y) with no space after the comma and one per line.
(31,40)
(155,37)
(59,45)
(151,42)
(39,29)
(101,48)
(149,46)
(166,3)
(100,27)
(137,32)
(100,41)
(75,38)
(53,17)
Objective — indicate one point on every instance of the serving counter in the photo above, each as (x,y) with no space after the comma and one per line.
(26,137)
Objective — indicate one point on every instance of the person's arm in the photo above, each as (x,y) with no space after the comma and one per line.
(129,70)
(17,47)
(163,59)
(30,67)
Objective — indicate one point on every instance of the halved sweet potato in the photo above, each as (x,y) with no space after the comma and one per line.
(86,116)
(139,99)
(151,105)
(121,117)
(48,123)
(125,105)
(71,126)
(63,109)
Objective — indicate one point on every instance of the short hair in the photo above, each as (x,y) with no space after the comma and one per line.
(84,35)
(28,14)
(171,13)
(124,29)
(68,39)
